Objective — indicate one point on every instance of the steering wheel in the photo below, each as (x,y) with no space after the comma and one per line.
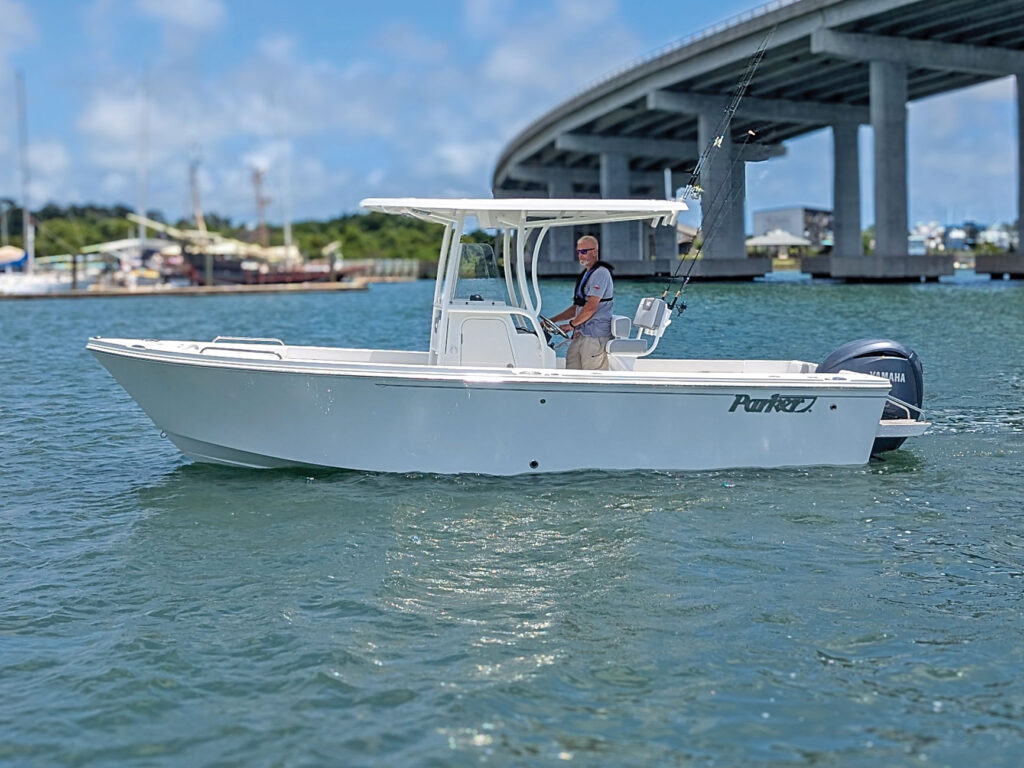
(550,327)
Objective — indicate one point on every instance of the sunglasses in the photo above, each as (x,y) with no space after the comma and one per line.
(581,251)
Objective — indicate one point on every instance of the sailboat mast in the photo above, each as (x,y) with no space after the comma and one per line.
(288,200)
(261,207)
(197,208)
(143,157)
(28,234)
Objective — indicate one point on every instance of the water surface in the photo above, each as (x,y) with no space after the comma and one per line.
(158,613)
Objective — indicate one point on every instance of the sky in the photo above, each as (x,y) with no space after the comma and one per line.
(335,101)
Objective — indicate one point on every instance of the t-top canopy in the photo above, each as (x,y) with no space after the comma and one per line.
(529,213)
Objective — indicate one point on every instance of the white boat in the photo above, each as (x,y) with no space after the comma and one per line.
(36,282)
(489,395)
(50,275)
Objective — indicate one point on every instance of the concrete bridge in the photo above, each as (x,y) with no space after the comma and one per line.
(834,64)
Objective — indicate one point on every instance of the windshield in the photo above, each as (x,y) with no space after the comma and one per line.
(479,276)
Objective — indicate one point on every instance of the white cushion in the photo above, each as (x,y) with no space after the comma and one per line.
(626,347)
(650,313)
(621,326)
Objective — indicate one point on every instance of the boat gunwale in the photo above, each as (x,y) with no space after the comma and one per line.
(482,377)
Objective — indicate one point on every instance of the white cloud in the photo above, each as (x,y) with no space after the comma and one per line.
(114,124)
(17,28)
(961,147)
(198,15)
(482,17)
(17,32)
(405,42)
(459,160)
(995,90)
(541,58)
(50,163)
(588,13)
(117,186)
(560,52)
(99,23)
(275,92)
(277,47)
(434,120)
(312,187)
(48,157)
(115,117)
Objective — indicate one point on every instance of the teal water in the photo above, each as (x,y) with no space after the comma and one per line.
(157,613)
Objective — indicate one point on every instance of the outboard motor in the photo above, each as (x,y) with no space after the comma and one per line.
(891,360)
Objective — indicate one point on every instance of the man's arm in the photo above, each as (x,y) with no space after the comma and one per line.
(565,314)
(593,302)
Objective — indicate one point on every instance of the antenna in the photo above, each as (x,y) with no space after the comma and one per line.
(28,234)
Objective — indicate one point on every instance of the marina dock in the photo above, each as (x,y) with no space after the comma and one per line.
(356,284)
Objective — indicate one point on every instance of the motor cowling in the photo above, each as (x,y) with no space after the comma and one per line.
(888,359)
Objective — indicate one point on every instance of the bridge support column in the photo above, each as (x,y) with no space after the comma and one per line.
(846,191)
(1020,163)
(724,185)
(890,262)
(560,244)
(620,241)
(662,250)
(738,204)
(666,245)
(1012,264)
(889,121)
(846,237)
(722,231)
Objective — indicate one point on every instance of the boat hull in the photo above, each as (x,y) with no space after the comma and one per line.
(230,271)
(269,412)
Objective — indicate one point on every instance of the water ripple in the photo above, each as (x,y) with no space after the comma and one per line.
(159,613)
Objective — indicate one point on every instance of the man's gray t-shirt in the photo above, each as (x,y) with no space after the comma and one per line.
(599,284)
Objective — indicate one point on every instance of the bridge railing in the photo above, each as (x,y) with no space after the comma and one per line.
(690,39)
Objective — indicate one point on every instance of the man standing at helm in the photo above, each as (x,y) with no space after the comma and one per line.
(590,316)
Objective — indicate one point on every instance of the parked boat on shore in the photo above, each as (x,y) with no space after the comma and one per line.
(490,396)
(229,269)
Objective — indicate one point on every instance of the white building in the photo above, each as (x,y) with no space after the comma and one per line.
(814,224)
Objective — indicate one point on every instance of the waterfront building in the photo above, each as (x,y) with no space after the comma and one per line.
(998,235)
(812,224)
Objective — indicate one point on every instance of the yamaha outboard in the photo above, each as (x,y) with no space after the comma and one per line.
(891,360)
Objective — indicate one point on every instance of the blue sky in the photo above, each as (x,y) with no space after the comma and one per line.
(391,98)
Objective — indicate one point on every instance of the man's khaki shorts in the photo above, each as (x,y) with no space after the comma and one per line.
(587,353)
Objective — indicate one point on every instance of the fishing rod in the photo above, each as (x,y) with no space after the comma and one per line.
(693,189)
(716,208)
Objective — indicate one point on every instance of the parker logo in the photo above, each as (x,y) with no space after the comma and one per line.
(775,403)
